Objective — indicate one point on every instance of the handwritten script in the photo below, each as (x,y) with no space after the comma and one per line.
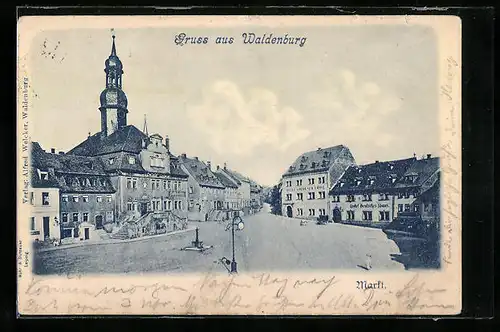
(255,294)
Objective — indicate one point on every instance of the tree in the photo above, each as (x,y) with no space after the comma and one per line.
(275,200)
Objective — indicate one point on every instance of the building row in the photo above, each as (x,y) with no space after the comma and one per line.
(327,183)
(122,177)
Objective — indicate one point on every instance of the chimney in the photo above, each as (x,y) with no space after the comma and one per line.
(218,167)
(428,156)
(195,158)
(225,165)
(209,165)
(52,150)
(60,152)
(376,161)
(183,156)
(167,142)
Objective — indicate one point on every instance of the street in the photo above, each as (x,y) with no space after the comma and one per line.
(267,243)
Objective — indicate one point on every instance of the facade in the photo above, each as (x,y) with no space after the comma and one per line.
(86,197)
(230,191)
(141,168)
(243,191)
(256,196)
(206,193)
(44,199)
(306,183)
(374,194)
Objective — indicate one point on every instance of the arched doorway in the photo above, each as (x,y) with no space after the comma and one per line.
(336,215)
(98,222)
(289,212)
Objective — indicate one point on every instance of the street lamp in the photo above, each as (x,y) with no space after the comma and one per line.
(238,222)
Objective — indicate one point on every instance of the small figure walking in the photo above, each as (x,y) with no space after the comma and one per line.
(368,261)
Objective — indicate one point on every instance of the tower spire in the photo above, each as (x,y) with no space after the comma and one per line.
(145,125)
(113,47)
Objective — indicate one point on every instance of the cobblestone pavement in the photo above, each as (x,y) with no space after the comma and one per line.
(268,243)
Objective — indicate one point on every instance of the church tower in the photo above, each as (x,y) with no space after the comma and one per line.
(113,99)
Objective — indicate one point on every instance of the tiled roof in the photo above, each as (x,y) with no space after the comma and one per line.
(200,172)
(225,180)
(319,160)
(71,173)
(126,139)
(371,177)
(419,173)
(238,177)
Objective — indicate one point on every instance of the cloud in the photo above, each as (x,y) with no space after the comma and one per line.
(353,111)
(236,123)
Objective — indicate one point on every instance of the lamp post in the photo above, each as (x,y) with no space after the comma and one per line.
(239,223)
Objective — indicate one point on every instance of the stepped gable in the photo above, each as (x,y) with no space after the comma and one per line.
(72,173)
(373,177)
(225,180)
(200,172)
(319,160)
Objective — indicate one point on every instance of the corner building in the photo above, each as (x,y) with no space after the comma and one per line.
(306,183)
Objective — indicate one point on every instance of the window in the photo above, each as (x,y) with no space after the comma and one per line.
(384,215)
(427,207)
(111,161)
(85,216)
(129,183)
(299,182)
(416,208)
(76,232)
(152,184)
(131,160)
(400,207)
(175,205)
(164,184)
(32,198)
(33,224)
(312,195)
(358,182)
(44,175)
(288,197)
(134,183)
(64,198)
(322,195)
(99,199)
(350,215)
(45,198)
(383,197)
(300,212)
(322,212)
(86,199)
(180,205)
(129,206)
(321,180)
(367,215)
(169,205)
(75,217)
(407,207)
(336,198)
(407,194)
(168,185)
(109,198)
(288,183)
(312,212)
(350,198)
(400,195)
(64,217)
(367,197)
(300,196)
(341,184)
(109,215)
(311,180)
(75,199)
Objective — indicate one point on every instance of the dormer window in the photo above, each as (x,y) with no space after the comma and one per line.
(111,161)
(44,175)
(372,181)
(131,160)
(341,184)
(358,182)
(391,166)
(393,180)
(313,165)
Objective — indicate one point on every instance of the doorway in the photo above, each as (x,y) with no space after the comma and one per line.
(86,233)
(336,215)
(289,212)
(143,207)
(98,222)
(46,228)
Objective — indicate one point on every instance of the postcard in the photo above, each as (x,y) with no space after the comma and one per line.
(239,165)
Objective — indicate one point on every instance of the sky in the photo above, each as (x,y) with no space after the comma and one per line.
(372,88)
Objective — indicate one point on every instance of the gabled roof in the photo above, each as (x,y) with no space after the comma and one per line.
(225,180)
(70,173)
(371,177)
(237,177)
(126,139)
(319,160)
(200,172)
(418,173)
